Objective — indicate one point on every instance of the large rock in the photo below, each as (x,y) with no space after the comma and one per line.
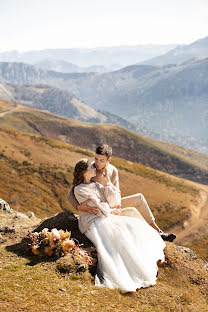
(190,252)
(21,215)
(65,221)
(4,206)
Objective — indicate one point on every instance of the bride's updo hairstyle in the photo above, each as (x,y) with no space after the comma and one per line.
(79,171)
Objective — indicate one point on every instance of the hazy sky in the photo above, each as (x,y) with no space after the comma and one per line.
(39,24)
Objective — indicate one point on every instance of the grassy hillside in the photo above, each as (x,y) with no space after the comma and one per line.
(6,105)
(53,99)
(37,173)
(126,144)
(34,284)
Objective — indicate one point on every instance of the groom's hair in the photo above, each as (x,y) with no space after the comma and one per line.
(104,149)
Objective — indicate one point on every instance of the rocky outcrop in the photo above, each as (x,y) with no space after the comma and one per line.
(4,206)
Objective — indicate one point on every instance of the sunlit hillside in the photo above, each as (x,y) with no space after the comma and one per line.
(37,173)
(126,144)
(31,283)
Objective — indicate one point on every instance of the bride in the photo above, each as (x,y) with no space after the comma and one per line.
(128,247)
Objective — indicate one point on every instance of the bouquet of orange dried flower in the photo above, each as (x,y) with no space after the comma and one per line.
(56,243)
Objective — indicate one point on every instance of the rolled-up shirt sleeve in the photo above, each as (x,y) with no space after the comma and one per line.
(115,178)
(112,195)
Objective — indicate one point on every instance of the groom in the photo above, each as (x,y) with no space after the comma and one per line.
(104,170)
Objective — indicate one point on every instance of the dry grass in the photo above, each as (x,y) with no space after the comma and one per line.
(152,174)
(37,174)
(6,105)
(126,144)
(32,284)
(200,246)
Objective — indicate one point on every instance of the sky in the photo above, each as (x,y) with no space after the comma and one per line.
(51,24)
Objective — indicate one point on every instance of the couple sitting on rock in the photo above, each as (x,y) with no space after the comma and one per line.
(128,241)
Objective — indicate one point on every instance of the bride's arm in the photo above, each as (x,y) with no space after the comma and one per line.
(83,194)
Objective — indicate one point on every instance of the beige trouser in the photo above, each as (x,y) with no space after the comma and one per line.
(137,200)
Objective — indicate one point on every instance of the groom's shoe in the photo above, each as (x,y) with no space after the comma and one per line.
(167,236)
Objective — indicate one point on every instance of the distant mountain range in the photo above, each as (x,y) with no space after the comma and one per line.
(182,53)
(166,102)
(56,100)
(66,67)
(61,102)
(172,100)
(85,60)
(64,103)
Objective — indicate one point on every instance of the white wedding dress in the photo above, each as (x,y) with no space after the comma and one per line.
(128,247)
(128,250)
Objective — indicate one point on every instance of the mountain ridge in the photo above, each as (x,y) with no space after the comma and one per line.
(61,102)
(182,53)
(110,57)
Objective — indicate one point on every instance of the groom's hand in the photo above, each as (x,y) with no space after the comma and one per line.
(84,207)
